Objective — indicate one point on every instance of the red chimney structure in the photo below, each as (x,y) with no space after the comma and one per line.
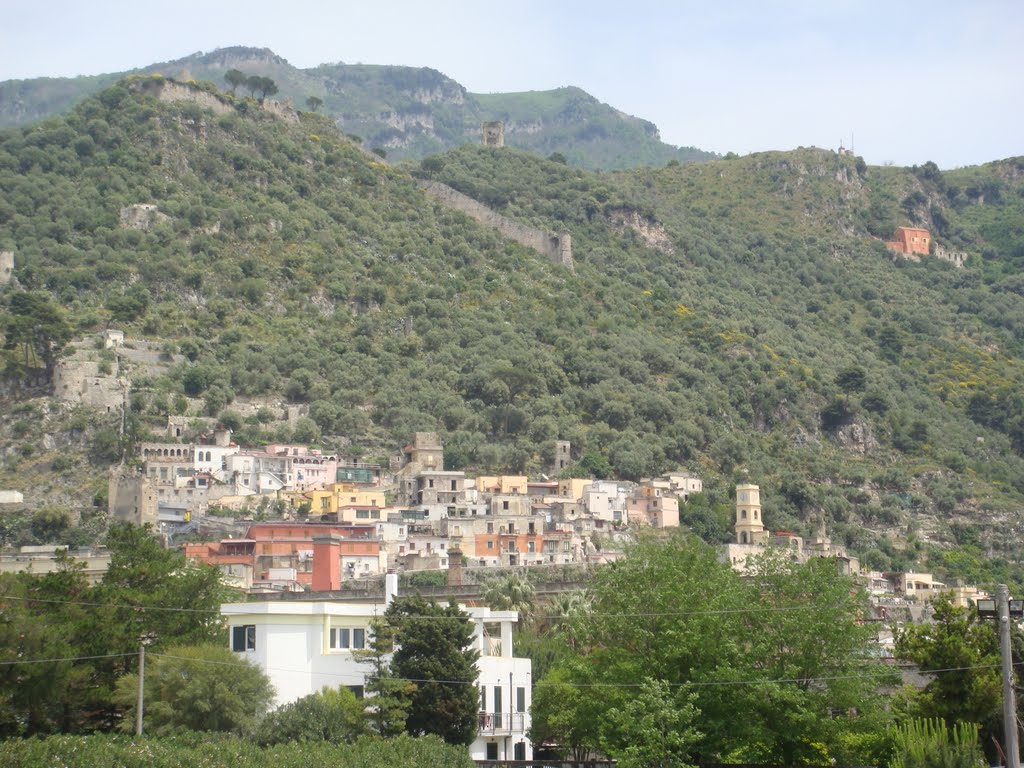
(326,562)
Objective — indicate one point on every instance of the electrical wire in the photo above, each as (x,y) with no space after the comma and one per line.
(107,605)
(641,615)
(70,658)
(355,676)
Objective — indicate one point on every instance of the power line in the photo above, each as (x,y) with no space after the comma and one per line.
(355,676)
(69,658)
(647,614)
(94,604)
(360,677)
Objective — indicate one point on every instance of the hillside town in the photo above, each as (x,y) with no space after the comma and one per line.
(351,417)
(327,524)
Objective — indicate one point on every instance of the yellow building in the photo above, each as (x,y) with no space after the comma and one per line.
(329,501)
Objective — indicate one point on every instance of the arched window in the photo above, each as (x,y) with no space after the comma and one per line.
(755,514)
(743,514)
(743,537)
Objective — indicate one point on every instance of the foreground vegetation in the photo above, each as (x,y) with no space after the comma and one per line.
(108,751)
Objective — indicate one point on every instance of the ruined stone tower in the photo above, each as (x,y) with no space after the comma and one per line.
(6,266)
(563,456)
(492,134)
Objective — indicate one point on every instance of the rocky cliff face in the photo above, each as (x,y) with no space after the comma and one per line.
(651,232)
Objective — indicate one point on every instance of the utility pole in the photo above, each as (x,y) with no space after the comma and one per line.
(142,686)
(1009,699)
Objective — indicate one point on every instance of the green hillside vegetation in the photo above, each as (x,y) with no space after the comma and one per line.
(410,112)
(770,336)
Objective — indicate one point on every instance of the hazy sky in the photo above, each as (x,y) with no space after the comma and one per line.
(910,80)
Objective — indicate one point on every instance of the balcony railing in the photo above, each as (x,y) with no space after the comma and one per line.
(501,722)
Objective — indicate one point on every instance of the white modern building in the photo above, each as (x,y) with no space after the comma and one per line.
(306,646)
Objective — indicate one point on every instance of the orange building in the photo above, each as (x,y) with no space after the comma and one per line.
(911,241)
(290,545)
(509,543)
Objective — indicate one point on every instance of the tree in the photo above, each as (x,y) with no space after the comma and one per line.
(591,464)
(268,88)
(808,634)
(196,688)
(39,326)
(264,85)
(147,592)
(434,652)
(432,165)
(330,714)
(962,654)
(235,78)
(509,593)
(388,708)
(654,729)
(313,103)
(46,697)
(852,379)
(767,658)
(565,711)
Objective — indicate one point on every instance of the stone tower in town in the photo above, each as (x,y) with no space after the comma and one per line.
(492,134)
(749,525)
(563,456)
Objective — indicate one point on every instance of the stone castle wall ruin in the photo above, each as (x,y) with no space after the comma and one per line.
(556,247)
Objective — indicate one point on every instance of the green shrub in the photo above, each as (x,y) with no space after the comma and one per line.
(332,715)
(211,751)
(928,743)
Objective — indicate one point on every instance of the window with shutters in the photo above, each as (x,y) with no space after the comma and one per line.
(243,638)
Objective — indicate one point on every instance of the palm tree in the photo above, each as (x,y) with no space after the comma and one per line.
(510,593)
(565,613)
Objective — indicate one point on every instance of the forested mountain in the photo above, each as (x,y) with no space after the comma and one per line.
(408,112)
(738,317)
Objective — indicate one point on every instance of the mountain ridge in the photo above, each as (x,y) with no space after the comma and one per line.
(409,112)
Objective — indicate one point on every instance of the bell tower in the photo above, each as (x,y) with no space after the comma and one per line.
(749,525)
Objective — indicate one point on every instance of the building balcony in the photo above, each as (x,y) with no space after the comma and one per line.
(499,723)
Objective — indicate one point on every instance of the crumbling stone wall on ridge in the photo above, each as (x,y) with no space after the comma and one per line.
(6,266)
(143,216)
(170,91)
(284,109)
(556,247)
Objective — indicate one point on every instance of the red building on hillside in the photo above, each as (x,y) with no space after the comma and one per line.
(910,241)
